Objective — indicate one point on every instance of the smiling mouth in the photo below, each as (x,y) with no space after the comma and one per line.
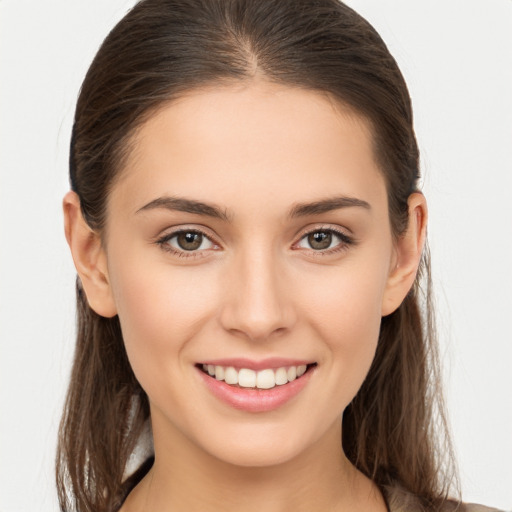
(263,379)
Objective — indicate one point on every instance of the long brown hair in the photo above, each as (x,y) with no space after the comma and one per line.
(394,430)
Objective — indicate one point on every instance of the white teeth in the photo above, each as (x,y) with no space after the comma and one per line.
(263,379)
(219,373)
(231,376)
(281,376)
(247,378)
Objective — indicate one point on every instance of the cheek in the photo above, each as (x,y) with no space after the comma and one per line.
(160,310)
(350,300)
(347,316)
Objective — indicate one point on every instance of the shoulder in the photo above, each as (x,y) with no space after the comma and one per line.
(479,508)
(400,500)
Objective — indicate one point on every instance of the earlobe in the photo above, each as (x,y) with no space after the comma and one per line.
(409,249)
(89,257)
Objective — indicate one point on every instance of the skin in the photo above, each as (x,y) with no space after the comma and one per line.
(255,288)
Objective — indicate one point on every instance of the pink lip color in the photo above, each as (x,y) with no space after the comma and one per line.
(271,362)
(255,400)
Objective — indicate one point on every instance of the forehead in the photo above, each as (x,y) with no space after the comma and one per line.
(280,143)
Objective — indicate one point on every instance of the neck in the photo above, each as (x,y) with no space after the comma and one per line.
(184,477)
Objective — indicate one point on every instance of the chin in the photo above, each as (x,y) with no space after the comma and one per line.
(249,458)
(259,449)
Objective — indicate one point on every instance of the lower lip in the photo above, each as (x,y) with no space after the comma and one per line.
(256,400)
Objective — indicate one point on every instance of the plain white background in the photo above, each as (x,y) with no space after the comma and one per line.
(456,56)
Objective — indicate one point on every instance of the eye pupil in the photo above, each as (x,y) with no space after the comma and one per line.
(320,240)
(190,241)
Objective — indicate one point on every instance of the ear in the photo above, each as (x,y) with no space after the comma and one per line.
(408,251)
(89,257)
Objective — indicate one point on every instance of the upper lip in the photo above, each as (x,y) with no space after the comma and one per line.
(271,362)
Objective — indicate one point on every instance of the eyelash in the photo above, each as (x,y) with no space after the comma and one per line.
(345,242)
(163,242)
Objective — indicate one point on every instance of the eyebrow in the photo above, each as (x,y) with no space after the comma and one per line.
(210,210)
(182,204)
(327,205)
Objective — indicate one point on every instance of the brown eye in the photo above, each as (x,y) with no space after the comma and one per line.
(325,241)
(320,240)
(189,240)
(186,241)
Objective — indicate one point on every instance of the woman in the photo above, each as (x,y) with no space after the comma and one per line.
(248,234)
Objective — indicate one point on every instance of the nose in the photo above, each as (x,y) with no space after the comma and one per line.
(257,300)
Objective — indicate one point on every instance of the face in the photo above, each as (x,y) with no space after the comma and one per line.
(248,235)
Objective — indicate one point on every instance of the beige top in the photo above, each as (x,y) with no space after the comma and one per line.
(399,500)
